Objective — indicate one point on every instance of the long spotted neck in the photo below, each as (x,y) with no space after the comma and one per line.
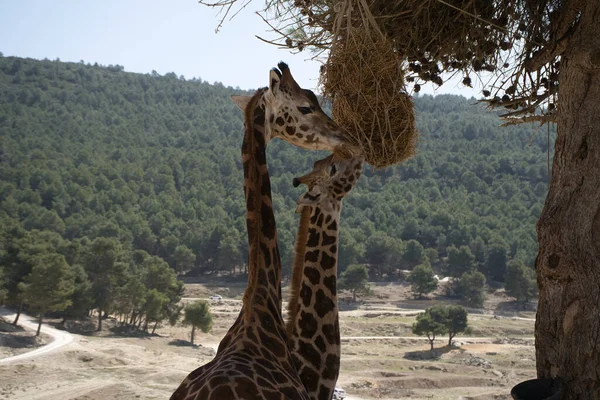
(313,325)
(264,264)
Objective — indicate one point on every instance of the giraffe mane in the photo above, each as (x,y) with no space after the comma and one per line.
(254,229)
(298,266)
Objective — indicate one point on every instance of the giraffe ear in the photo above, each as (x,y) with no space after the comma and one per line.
(274,81)
(241,101)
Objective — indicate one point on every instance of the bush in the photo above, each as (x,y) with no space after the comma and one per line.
(422,280)
(471,288)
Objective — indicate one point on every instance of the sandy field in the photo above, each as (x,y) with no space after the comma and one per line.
(380,356)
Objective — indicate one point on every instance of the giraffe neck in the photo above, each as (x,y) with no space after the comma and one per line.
(313,325)
(264,265)
(253,360)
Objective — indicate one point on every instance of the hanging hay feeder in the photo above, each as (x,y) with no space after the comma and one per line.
(364,80)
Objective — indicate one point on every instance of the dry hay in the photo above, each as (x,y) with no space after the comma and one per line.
(364,80)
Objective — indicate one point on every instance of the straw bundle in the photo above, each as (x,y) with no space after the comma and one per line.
(364,80)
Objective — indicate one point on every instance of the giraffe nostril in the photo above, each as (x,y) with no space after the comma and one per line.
(296,182)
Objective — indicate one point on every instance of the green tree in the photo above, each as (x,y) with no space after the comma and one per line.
(198,316)
(478,250)
(3,289)
(410,230)
(471,287)
(351,251)
(355,279)
(496,259)
(432,255)
(81,298)
(184,259)
(129,299)
(460,260)
(229,250)
(154,307)
(382,253)
(105,265)
(49,286)
(520,281)
(456,322)
(431,323)
(414,253)
(422,280)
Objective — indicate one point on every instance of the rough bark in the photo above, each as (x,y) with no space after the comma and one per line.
(18,313)
(568,265)
(99,320)
(40,318)
(193,332)
(431,340)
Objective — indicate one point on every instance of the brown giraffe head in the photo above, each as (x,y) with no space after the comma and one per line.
(331,179)
(313,324)
(294,115)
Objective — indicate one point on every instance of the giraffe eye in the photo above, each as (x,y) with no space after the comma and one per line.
(305,110)
(332,169)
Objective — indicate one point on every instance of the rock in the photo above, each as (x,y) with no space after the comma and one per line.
(476,362)
(497,373)
(434,368)
(491,353)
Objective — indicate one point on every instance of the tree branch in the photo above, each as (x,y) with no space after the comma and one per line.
(559,38)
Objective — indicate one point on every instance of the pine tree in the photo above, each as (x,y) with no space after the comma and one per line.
(457,321)
(520,281)
(355,279)
(431,323)
(198,316)
(422,280)
(471,287)
(49,285)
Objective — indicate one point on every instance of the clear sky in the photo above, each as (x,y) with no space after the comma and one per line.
(162,35)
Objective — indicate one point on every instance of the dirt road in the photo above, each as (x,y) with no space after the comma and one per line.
(61,338)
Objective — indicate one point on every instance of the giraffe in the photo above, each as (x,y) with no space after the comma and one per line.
(313,326)
(294,115)
(253,360)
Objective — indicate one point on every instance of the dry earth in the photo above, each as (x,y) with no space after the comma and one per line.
(381,358)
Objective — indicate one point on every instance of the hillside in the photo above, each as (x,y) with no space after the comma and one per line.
(153,161)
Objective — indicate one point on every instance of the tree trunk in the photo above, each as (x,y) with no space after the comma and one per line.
(39,324)
(450,337)
(567,327)
(354,296)
(193,331)
(154,327)
(99,319)
(19,310)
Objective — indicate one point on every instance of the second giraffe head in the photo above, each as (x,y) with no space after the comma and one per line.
(331,179)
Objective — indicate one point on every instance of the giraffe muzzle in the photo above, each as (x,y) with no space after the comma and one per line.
(296,182)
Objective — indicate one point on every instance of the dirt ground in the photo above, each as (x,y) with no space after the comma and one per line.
(16,340)
(380,356)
